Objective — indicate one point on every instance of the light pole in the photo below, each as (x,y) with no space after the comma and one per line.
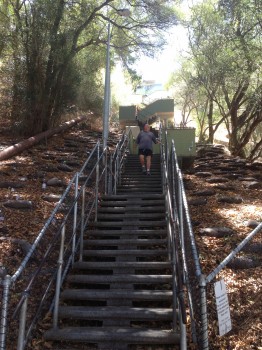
(106,112)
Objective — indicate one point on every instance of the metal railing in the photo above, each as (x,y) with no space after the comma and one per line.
(60,243)
(213,276)
(56,247)
(179,318)
(188,273)
(188,279)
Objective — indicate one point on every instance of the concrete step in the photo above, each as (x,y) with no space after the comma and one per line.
(131,202)
(118,312)
(125,232)
(138,175)
(124,242)
(131,252)
(132,209)
(140,184)
(110,265)
(113,334)
(141,178)
(137,190)
(139,295)
(119,278)
(144,216)
(134,223)
(144,196)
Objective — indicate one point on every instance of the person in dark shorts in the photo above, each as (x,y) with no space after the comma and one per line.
(145,141)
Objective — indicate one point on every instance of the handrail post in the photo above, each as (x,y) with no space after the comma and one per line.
(110,175)
(162,166)
(181,221)
(115,180)
(59,277)
(119,168)
(183,335)
(204,318)
(82,224)
(22,323)
(174,285)
(166,148)
(75,219)
(97,183)
(118,164)
(106,179)
(3,328)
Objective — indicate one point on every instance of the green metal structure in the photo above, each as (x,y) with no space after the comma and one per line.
(156,113)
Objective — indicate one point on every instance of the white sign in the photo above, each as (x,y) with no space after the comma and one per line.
(223,311)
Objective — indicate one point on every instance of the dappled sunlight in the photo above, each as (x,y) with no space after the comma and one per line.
(250,211)
(238,219)
(235,279)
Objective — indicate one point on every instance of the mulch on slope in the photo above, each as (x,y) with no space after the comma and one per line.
(21,181)
(230,206)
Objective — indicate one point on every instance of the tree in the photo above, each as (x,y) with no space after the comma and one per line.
(225,43)
(243,93)
(47,37)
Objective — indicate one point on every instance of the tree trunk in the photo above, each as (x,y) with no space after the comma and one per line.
(210,122)
(23,145)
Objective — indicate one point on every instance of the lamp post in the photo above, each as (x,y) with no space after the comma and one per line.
(123,13)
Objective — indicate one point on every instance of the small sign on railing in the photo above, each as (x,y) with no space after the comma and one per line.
(223,311)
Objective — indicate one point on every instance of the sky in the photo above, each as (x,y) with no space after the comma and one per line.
(162,66)
(158,69)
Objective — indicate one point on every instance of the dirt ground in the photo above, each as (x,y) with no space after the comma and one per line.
(216,180)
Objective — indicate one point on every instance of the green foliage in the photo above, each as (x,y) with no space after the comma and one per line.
(225,43)
(91,85)
(44,39)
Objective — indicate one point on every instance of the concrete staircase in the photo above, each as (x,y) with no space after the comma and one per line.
(120,295)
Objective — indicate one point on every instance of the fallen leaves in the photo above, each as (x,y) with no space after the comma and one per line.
(244,286)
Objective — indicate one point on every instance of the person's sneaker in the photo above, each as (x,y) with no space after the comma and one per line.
(143,170)
(148,173)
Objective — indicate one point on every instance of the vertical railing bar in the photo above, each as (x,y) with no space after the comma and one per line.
(5,299)
(58,279)
(115,180)
(75,218)
(119,168)
(174,283)
(110,174)
(97,183)
(106,171)
(183,335)
(118,162)
(82,224)
(204,318)
(175,252)
(22,323)
(181,225)
(166,149)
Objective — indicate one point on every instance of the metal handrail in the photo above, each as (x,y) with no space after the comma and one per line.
(173,228)
(69,232)
(180,229)
(216,271)
(186,226)
(65,244)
